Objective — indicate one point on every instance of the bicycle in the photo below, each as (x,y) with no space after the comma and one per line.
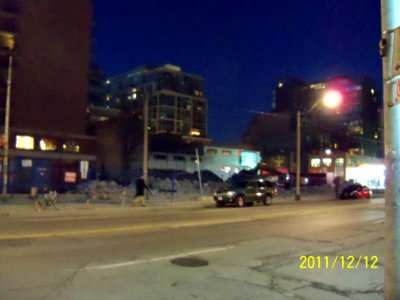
(47,200)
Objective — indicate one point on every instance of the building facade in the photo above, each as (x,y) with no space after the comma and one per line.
(176,103)
(354,127)
(50,43)
(362,169)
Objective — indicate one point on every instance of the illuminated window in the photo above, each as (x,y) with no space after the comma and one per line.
(226,152)
(71,147)
(195,132)
(327,162)
(339,162)
(315,162)
(47,145)
(24,142)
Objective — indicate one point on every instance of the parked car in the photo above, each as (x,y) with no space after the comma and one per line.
(356,191)
(246,193)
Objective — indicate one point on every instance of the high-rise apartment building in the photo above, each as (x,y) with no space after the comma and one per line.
(175,99)
(353,126)
(50,42)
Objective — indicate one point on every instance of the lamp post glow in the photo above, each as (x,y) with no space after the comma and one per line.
(331,99)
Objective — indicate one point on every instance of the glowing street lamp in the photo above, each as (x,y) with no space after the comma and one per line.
(331,99)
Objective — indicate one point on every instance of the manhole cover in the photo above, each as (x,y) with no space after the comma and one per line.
(189,262)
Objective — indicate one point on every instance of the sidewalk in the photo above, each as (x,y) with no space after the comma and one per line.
(75,204)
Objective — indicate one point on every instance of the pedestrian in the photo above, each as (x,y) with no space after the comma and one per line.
(338,184)
(287,187)
(139,195)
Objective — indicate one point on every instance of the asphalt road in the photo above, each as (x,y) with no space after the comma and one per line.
(250,253)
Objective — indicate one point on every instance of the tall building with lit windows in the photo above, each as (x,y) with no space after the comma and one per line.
(50,43)
(176,101)
(354,127)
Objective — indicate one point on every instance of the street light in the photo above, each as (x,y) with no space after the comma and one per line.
(331,99)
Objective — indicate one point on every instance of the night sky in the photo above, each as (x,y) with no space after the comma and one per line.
(240,47)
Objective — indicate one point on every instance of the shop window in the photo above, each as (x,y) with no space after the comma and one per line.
(315,162)
(24,142)
(339,162)
(48,145)
(327,162)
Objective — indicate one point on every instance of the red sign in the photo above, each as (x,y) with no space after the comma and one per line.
(70,177)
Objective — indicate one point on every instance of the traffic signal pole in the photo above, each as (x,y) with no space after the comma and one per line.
(390,10)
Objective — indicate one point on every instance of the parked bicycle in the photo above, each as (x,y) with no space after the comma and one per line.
(46,200)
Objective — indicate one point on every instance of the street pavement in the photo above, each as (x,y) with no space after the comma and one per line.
(245,263)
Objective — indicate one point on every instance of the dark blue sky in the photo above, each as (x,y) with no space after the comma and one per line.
(240,47)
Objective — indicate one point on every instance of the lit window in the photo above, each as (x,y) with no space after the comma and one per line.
(315,162)
(71,147)
(195,132)
(339,162)
(24,142)
(47,145)
(327,162)
(226,152)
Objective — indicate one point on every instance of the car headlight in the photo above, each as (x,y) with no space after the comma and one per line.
(231,194)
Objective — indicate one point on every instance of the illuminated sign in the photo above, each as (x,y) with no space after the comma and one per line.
(70,177)
(248,159)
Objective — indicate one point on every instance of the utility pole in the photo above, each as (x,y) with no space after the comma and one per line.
(390,52)
(298,155)
(145,142)
(7,127)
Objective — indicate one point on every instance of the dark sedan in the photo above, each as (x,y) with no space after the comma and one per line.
(356,191)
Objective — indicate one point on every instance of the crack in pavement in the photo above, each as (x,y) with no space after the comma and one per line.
(64,284)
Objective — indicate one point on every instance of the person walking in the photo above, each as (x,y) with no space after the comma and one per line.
(338,185)
(139,195)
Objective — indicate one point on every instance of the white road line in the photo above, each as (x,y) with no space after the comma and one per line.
(156,259)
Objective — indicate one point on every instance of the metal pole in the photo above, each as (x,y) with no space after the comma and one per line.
(390,10)
(145,143)
(298,156)
(198,172)
(7,127)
